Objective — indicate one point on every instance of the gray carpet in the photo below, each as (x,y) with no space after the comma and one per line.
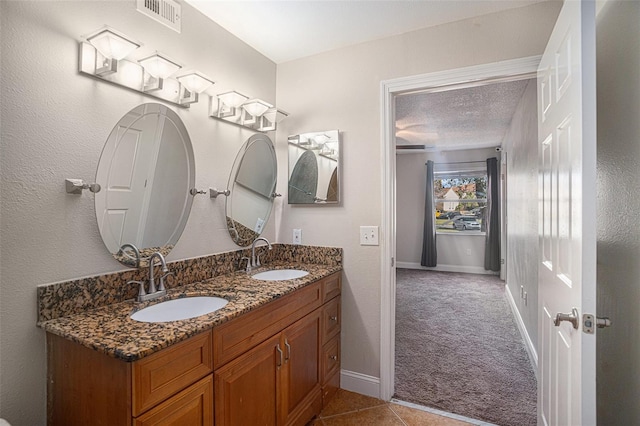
(458,348)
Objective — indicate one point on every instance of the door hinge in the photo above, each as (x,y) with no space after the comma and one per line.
(590,322)
(393,262)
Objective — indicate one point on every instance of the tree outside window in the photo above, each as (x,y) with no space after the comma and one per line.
(461,201)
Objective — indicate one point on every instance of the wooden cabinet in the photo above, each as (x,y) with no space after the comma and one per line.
(87,387)
(286,379)
(274,383)
(276,365)
(301,385)
(192,406)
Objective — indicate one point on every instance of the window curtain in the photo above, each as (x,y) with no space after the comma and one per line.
(429,253)
(492,218)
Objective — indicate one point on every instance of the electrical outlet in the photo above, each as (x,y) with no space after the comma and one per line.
(297,236)
(368,235)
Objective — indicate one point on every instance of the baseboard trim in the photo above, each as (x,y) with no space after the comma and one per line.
(531,349)
(360,383)
(447,268)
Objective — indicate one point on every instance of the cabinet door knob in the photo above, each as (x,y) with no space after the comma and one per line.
(333,357)
(334,318)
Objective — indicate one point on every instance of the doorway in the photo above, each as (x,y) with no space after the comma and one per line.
(514,69)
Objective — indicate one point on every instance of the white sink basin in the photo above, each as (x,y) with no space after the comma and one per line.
(179,309)
(280,274)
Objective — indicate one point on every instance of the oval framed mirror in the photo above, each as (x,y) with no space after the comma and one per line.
(252,183)
(146,170)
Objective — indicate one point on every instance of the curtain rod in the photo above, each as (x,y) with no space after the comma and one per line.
(462,162)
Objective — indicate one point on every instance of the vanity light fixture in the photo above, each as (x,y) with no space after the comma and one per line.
(112,46)
(270,119)
(254,109)
(228,102)
(192,84)
(103,55)
(157,67)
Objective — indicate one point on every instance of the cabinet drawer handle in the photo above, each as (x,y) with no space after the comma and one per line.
(333,357)
(286,358)
(280,355)
(334,318)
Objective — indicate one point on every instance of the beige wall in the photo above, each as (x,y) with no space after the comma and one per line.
(341,90)
(54,124)
(458,252)
(618,204)
(521,147)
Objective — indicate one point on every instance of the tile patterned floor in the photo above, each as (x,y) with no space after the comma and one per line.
(349,408)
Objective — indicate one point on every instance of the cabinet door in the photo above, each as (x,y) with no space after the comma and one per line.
(193,406)
(301,390)
(246,388)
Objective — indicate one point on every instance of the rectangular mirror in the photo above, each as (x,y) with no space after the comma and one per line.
(314,168)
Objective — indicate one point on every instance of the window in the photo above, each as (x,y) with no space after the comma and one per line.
(461,201)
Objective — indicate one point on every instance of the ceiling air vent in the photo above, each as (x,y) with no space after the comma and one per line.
(167,12)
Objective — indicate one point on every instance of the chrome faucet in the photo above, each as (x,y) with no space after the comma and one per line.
(255,260)
(136,252)
(152,284)
(153,293)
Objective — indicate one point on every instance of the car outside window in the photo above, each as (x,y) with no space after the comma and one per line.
(461,202)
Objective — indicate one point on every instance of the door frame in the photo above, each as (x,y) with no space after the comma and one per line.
(521,67)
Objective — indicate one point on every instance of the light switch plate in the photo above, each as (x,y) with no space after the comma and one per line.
(369,236)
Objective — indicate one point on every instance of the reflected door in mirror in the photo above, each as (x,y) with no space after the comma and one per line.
(146,169)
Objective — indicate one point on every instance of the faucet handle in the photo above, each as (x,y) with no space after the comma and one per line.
(161,284)
(141,291)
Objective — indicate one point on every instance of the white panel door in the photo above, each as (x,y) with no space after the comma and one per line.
(567,231)
(130,177)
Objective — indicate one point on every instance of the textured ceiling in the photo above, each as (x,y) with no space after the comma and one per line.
(474,117)
(287,30)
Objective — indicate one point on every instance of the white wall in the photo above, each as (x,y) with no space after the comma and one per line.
(54,125)
(457,252)
(618,204)
(521,147)
(341,90)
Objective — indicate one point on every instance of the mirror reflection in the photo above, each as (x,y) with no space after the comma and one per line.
(252,183)
(146,170)
(314,164)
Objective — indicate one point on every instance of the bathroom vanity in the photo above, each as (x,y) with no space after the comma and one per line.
(270,357)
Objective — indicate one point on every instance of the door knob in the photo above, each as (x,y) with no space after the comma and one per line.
(572,318)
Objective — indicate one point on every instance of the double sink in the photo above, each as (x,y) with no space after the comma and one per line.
(191,307)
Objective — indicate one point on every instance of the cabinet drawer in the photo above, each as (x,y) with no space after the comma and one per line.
(192,406)
(331,286)
(330,359)
(331,319)
(246,331)
(158,376)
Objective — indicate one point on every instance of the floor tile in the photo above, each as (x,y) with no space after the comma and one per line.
(415,417)
(378,416)
(345,401)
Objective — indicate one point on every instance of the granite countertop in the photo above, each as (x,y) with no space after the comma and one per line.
(110,330)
